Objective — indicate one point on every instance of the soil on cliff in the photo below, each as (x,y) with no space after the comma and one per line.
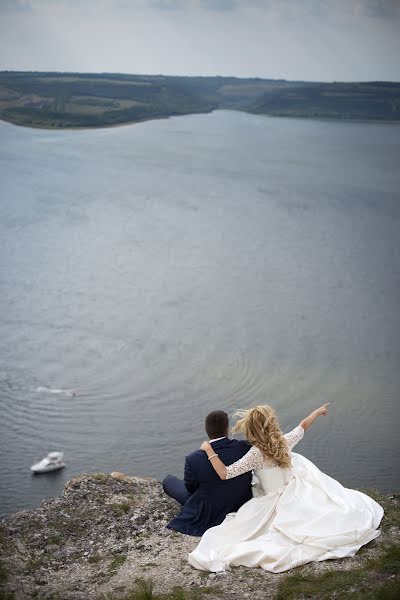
(105,539)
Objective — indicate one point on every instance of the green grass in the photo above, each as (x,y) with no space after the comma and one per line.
(299,585)
(3,573)
(33,564)
(391,517)
(54,540)
(389,562)
(388,591)
(144,590)
(117,563)
(6,595)
(122,507)
(371,580)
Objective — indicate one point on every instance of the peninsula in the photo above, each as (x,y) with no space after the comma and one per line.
(77,100)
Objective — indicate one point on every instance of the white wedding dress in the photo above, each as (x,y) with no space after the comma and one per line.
(296,516)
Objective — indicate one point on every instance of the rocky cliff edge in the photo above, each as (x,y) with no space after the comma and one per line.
(105,539)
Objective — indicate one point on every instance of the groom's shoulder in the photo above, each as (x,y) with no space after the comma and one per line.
(195,454)
(242,445)
(194,457)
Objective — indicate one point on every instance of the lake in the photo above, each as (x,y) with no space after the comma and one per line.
(166,269)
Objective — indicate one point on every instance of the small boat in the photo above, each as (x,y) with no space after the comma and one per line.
(52,462)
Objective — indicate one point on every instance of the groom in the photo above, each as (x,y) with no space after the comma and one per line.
(204,497)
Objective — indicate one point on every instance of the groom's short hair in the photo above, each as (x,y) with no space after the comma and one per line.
(217,424)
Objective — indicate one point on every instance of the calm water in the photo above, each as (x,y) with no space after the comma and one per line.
(166,269)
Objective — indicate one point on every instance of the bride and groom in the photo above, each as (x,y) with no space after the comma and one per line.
(293,515)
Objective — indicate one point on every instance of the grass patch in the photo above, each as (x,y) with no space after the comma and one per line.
(3,574)
(203,574)
(117,563)
(390,505)
(54,540)
(370,581)
(389,562)
(33,564)
(297,585)
(3,580)
(2,536)
(75,526)
(93,560)
(144,590)
(388,591)
(122,506)
(99,477)
(6,595)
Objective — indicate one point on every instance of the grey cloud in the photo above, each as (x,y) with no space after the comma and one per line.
(15,5)
(381,8)
(167,4)
(220,5)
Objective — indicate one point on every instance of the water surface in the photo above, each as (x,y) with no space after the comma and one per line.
(165,269)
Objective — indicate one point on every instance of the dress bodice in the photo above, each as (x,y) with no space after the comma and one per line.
(270,476)
(270,480)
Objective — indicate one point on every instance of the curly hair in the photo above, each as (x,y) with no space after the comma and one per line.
(261,427)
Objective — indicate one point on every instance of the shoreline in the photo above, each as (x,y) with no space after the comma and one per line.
(144,120)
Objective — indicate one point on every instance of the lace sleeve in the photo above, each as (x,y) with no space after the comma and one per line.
(294,436)
(252,460)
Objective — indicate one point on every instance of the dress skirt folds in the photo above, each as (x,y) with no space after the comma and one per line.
(304,516)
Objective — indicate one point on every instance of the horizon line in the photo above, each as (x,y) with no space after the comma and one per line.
(256,77)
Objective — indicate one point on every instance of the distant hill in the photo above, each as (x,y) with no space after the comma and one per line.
(69,100)
(366,101)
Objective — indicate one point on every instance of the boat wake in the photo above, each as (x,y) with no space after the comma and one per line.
(59,391)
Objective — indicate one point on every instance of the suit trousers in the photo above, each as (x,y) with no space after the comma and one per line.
(176,489)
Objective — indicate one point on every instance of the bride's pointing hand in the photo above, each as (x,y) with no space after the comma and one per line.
(318,412)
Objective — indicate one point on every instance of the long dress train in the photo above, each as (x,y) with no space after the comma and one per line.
(299,515)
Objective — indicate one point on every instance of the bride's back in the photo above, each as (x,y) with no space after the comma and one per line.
(271,477)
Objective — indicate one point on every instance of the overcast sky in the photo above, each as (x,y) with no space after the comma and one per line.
(321,40)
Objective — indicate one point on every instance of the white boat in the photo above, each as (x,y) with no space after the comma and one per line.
(52,462)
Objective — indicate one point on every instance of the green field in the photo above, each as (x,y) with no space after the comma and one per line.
(73,100)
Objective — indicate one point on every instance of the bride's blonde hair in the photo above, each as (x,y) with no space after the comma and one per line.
(261,427)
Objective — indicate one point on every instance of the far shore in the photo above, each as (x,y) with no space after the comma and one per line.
(74,101)
(138,121)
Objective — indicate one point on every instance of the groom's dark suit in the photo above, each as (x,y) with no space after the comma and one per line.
(207,499)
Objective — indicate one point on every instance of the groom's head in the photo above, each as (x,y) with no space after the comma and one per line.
(217,424)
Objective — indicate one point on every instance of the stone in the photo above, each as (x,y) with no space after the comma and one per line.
(103,546)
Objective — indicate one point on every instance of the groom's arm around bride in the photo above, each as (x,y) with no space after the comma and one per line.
(206,500)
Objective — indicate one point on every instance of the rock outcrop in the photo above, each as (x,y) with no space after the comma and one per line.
(107,532)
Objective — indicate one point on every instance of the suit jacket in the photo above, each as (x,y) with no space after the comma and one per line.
(212,498)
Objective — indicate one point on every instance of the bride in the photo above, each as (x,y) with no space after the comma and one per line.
(297,515)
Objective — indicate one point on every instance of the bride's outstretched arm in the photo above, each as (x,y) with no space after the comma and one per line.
(214,459)
(308,421)
(253,459)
